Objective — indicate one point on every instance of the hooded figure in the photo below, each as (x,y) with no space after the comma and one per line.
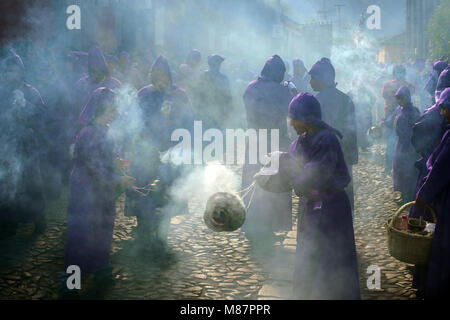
(23,140)
(435,191)
(214,96)
(266,102)
(326,262)
(338,110)
(300,76)
(165,108)
(402,122)
(98,76)
(91,208)
(388,92)
(426,135)
(431,85)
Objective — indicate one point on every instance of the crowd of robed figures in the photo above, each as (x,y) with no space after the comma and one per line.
(63,136)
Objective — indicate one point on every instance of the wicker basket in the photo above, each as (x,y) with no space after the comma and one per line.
(408,247)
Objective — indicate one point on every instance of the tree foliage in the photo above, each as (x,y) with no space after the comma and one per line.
(438,30)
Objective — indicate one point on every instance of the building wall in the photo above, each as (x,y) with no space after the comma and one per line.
(418,13)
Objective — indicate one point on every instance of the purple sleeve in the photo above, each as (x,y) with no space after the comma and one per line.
(91,154)
(438,177)
(318,171)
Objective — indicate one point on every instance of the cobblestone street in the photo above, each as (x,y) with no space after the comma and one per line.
(208,265)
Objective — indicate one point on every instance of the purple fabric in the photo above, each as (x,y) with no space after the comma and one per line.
(101,96)
(426,135)
(306,108)
(274,69)
(436,191)
(439,66)
(326,263)
(443,83)
(83,90)
(404,170)
(151,100)
(324,71)
(97,60)
(403,92)
(91,209)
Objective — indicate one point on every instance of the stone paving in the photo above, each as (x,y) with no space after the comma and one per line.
(208,265)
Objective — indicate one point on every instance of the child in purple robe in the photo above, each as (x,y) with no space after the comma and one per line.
(326,262)
(402,121)
(266,102)
(435,191)
(91,209)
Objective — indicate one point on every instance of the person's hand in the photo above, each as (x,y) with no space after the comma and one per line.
(127,181)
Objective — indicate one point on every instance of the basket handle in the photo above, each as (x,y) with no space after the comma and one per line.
(406,206)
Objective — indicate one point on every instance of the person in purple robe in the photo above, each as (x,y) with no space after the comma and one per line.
(214,96)
(435,191)
(426,135)
(22,138)
(326,261)
(266,102)
(165,108)
(431,85)
(402,121)
(94,177)
(388,91)
(338,111)
(98,76)
(300,76)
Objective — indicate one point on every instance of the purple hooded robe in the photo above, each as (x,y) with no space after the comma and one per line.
(21,142)
(91,209)
(431,85)
(266,102)
(426,135)
(402,121)
(153,100)
(435,191)
(86,85)
(326,262)
(338,111)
